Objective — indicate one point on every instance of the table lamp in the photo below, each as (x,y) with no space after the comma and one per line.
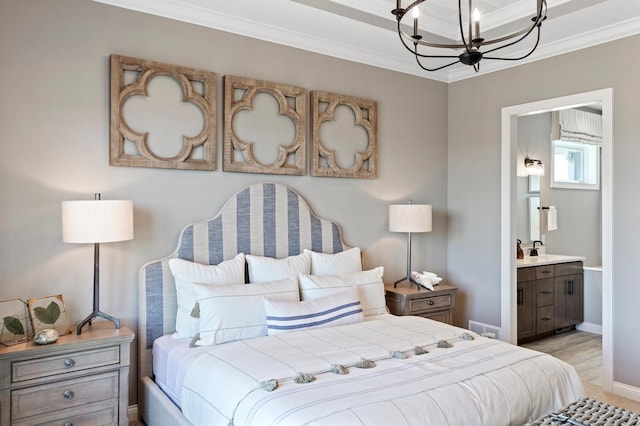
(97,221)
(409,218)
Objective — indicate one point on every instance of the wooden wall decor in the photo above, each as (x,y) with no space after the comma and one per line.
(323,106)
(238,154)
(198,87)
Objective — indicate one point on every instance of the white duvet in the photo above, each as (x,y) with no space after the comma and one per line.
(474,382)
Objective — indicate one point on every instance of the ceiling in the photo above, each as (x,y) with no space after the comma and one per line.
(365,30)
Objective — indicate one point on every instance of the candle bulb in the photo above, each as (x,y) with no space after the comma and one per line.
(476,20)
(416,14)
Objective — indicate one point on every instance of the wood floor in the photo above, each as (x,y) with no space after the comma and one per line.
(584,351)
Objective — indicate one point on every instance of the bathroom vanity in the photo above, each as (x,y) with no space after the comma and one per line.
(550,295)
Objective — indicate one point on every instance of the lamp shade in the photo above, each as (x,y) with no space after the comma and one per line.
(410,218)
(97,221)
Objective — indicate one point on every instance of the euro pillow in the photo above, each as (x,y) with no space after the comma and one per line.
(265,269)
(236,312)
(185,273)
(369,284)
(338,309)
(349,260)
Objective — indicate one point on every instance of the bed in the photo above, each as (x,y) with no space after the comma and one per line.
(373,368)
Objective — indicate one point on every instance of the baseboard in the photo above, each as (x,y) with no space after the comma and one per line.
(132,414)
(626,391)
(590,327)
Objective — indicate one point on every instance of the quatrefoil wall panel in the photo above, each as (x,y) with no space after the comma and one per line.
(188,144)
(351,151)
(264,127)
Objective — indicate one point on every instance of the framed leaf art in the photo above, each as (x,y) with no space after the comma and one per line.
(16,323)
(49,312)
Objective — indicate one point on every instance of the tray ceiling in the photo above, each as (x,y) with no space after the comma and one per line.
(365,31)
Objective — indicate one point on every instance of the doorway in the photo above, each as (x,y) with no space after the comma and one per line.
(509,219)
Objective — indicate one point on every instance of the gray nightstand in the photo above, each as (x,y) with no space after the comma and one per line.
(437,305)
(79,380)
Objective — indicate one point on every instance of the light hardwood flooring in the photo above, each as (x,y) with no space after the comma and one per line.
(584,351)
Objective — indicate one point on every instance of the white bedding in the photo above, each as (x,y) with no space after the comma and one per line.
(478,382)
(171,359)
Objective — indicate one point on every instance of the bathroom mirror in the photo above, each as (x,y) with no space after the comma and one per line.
(534,218)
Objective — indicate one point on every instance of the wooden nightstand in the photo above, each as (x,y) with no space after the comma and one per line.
(437,305)
(79,380)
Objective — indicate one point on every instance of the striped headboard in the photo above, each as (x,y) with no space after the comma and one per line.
(264,219)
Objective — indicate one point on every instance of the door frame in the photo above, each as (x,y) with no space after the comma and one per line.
(509,218)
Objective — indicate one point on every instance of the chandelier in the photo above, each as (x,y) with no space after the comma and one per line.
(474,48)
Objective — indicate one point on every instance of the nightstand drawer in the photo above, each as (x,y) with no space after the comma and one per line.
(47,398)
(436,304)
(99,413)
(44,367)
(431,303)
(442,316)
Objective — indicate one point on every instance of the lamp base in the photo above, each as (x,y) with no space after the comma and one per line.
(409,279)
(93,315)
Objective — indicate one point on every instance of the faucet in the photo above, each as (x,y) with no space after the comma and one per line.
(534,251)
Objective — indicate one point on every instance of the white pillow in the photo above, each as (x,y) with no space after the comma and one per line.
(236,312)
(338,263)
(264,269)
(186,273)
(369,284)
(338,309)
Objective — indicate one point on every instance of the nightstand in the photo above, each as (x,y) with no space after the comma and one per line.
(437,305)
(78,380)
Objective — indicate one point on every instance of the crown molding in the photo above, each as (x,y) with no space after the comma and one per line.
(400,62)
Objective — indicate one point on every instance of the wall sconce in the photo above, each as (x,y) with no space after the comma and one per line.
(533,167)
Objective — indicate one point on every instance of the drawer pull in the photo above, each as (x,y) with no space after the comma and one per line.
(68,394)
(430,302)
(68,424)
(69,362)
(546,319)
(545,292)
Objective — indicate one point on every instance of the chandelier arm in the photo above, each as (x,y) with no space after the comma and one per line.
(435,69)
(521,57)
(415,52)
(468,49)
(538,26)
(524,33)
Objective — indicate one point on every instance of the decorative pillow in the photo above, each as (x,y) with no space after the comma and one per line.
(264,269)
(338,309)
(334,264)
(236,312)
(186,273)
(369,284)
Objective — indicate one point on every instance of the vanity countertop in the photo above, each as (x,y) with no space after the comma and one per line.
(546,259)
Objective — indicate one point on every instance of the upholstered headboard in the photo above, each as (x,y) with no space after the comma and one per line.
(264,219)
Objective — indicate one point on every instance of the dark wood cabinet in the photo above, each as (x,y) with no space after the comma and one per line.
(549,299)
(569,292)
(526,300)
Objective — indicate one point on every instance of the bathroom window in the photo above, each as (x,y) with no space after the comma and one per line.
(575,165)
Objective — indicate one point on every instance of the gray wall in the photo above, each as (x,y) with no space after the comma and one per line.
(54,139)
(579,230)
(474,180)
